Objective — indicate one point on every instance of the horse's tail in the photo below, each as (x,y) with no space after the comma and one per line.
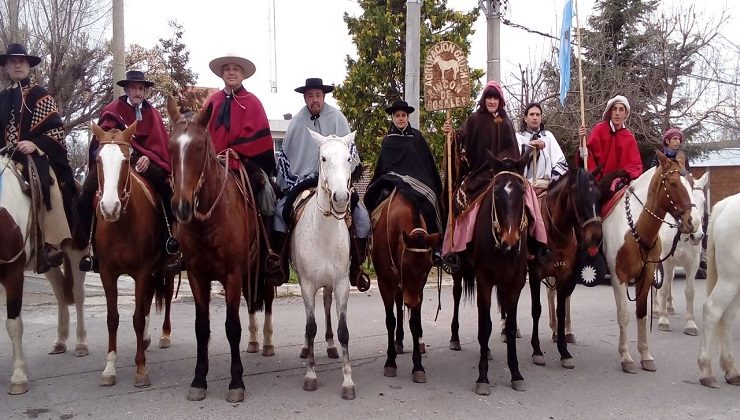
(160,288)
(261,295)
(68,281)
(468,279)
(711,252)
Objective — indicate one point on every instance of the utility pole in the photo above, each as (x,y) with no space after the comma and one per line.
(119,47)
(492,10)
(13,8)
(413,58)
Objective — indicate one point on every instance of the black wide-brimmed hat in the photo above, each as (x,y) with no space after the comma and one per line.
(399,106)
(18,50)
(135,76)
(315,83)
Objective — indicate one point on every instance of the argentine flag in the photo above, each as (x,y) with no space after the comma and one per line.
(564,58)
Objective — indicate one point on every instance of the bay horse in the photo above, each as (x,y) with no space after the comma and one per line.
(723,291)
(632,247)
(402,257)
(219,238)
(687,254)
(571,214)
(68,284)
(128,238)
(320,252)
(497,256)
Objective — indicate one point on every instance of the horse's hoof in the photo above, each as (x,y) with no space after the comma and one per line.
(235,395)
(692,331)
(570,338)
(253,347)
(399,348)
(489,355)
(671,311)
(147,343)
(554,338)
(332,352)
(165,342)
(422,348)
(348,392)
(142,381)
(629,367)
(389,371)
(304,353)
(664,326)
(648,365)
(81,350)
(455,345)
(482,388)
(568,363)
(268,350)
(519,385)
(17,389)
(310,384)
(419,377)
(733,380)
(710,382)
(58,348)
(108,380)
(538,359)
(196,394)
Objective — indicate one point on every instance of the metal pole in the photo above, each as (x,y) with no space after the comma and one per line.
(119,46)
(493,18)
(584,149)
(413,58)
(13,12)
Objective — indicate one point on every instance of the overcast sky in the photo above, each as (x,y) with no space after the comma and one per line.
(311,38)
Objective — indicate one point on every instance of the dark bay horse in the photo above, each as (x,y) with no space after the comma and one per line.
(128,239)
(497,256)
(219,238)
(571,214)
(402,257)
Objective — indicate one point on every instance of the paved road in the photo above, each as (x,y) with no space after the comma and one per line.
(65,387)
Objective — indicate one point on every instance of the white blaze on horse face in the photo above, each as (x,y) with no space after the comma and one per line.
(335,164)
(111,158)
(183,141)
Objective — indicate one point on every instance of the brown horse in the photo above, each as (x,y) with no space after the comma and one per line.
(571,214)
(496,256)
(128,240)
(402,257)
(219,240)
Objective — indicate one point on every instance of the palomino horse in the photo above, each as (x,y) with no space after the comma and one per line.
(320,252)
(498,258)
(723,291)
(402,257)
(128,239)
(219,240)
(15,252)
(632,248)
(687,254)
(571,216)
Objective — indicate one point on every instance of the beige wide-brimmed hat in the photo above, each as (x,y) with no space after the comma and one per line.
(217,64)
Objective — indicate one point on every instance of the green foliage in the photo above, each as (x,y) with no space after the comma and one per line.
(377,77)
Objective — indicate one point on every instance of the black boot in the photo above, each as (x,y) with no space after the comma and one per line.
(48,256)
(279,245)
(272,252)
(358,253)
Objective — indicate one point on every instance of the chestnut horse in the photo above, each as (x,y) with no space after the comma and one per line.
(497,256)
(632,247)
(219,238)
(402,257)
(571,214)
(15,255)
(128,240)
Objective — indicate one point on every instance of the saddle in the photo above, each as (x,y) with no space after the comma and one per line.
(609,205)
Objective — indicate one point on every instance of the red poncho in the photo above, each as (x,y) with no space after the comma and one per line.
(613,151)
(248,132)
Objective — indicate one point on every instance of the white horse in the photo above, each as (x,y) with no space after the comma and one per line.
(687,255)
(16,218)
(723,290)
(320,253)
(632,248)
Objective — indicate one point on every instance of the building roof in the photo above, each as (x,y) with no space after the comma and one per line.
(723,157)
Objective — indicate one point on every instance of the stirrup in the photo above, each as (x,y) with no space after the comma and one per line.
(273,263)
(450,263)
(172,245)
(89,263)
(363,281)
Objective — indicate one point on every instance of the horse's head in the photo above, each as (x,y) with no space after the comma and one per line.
(335,167)
(673,193)
(189,148)
(698,210)
(113,169)
(508,189)
(417,258)
(585,205)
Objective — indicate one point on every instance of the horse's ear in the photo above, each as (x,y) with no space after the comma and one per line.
(494,161)
(663,159)
(523,161)
(129,131)
(97,131)
(173,110)
(349,138)
(316,136)
(204,116)
(702,181)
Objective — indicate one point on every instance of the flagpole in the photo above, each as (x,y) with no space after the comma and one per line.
(584,150)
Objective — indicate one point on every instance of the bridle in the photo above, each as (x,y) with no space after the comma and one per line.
(124,196)
(573,202)
(495,225)
(331,211)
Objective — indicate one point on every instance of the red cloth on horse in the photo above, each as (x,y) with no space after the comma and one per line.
(248,132)
(607,207)
(150,138)
(613,150)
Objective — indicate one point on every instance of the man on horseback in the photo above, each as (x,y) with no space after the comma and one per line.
(550,162)
(150,156)
(32,134)
(238,122)
(406,163)
(672,139)
(298,170)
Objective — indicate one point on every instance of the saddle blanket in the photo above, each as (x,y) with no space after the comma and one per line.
(607,207)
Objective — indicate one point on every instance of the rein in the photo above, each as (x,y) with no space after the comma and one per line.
(495,225)
(225,155)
